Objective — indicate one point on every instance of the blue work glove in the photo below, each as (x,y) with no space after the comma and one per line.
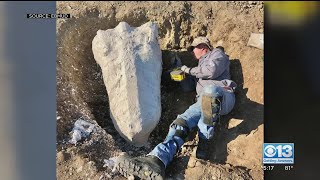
(185,69)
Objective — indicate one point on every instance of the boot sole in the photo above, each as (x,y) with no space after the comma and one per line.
(206,107)
(129,167)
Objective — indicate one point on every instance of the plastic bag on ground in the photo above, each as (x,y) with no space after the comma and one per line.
(81,129)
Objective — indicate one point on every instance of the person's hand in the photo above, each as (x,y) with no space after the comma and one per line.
(185,69)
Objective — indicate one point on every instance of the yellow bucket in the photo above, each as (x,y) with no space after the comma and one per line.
(177,75)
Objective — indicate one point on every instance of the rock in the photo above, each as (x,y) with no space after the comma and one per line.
(79,169)
(101,177)
(108,175)
(260,30)
(131,63)
(220,43)
(234,37)
(92,166)
(131,177)
(62,156)
(256,40)
(234,123)
(192,162)
(198,163)
(184,150)
(260,6)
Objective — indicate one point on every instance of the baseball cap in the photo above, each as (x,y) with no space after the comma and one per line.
(199,40)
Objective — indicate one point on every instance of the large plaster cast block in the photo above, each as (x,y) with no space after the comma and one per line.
(131,63)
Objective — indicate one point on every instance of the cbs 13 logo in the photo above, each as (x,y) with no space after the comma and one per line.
(278,150)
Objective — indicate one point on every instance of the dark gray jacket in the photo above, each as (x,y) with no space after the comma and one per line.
(213,68)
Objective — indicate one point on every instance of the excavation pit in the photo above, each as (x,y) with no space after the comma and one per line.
(82,93)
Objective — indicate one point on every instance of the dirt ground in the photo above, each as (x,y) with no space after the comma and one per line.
(236,152)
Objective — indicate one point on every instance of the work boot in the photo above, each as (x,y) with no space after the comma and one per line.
(147,167)
(202,149)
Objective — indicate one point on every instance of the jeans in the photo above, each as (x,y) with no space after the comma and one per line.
(193,116)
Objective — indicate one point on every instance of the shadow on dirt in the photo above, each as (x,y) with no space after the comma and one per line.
(250,112)
(174,100)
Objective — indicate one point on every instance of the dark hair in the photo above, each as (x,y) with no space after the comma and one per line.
(220,47)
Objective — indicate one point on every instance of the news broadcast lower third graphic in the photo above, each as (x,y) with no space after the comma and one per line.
(278,153)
